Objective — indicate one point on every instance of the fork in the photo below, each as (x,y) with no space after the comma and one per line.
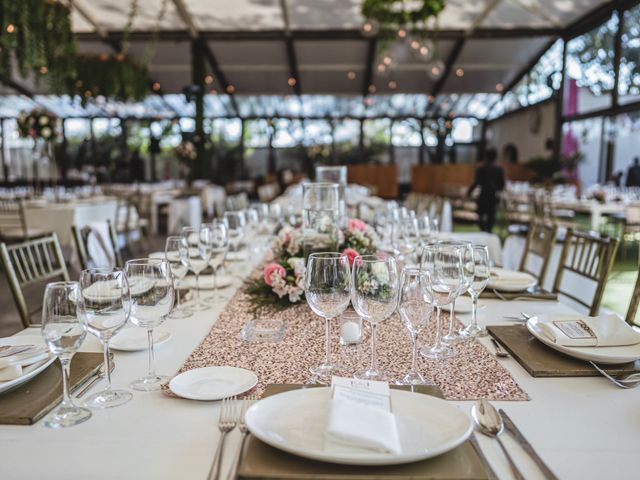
(10,350)
(626,381)
(226,422)
(242,425)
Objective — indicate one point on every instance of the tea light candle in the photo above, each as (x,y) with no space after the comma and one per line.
(350,332)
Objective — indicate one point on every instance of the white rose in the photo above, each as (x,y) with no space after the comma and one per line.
(46,132)
(44,120)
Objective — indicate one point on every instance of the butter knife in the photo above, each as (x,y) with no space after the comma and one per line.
(526,446)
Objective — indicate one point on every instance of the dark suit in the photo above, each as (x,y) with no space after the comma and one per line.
(633,176)
(490,179)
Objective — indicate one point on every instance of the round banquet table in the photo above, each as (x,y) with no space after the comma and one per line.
(583,428)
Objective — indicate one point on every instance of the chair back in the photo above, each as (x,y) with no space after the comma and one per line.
(635,301)
(540,241)
(12,217)
(588,256)
(97,245)
(30,263)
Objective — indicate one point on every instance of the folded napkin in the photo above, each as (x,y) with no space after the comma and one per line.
(510,276)
(582,331)
(13,367)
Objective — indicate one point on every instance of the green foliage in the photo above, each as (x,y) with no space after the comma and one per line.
(37,34)
(113,76)
(390,13)
(262,298)
(550,169)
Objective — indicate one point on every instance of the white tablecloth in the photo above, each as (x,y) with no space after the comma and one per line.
(59,217)
(584,428)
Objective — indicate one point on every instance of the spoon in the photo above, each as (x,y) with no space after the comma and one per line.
(491,425)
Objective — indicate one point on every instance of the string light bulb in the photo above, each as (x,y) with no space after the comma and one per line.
(499,87)
(156,86)
(351,75)
(291,81)
(370,28)
(208,79)
(459,72)
(230,89)
(392,85)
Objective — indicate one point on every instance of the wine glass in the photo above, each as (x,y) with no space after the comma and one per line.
(415,306)
(466,252)
(218,242)
(482,272)
(104,306)
(176,253)
(152,294)
(198,254)
(374,295)
(63,334)
(444,263)
(236,225)
(326,287)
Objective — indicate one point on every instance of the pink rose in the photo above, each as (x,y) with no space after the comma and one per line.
(356,224)
(351,255)
(273,267)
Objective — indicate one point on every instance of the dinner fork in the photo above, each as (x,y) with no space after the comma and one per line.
(226,422)
(242,426)
(626,381)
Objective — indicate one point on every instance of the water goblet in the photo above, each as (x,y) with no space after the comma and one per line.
(218,242)
(63,334)
(374,295)
(176,253)
(327,290)
(444,264)
(198,256)
(151,302)
(416,310)
(482,272)
(466,252)
(104,306)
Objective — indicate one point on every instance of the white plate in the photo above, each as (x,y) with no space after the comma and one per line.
(213,383)
(296,422)
(464,304)
(205,282)
(32,370)
(238,256)
(607,355)
(510,280)
(135,339)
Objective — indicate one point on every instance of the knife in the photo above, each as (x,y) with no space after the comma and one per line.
(526,446)
(483,459)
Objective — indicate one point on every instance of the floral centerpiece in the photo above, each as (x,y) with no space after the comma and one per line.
(187,153)
(38,123)
(282,281)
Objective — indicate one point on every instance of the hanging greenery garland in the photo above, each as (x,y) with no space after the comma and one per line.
(112,76)
(37,35)
(395,13)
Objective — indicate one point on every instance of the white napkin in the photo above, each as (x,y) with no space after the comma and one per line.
(510,277)
(13,367)
(352,425)
(582,331)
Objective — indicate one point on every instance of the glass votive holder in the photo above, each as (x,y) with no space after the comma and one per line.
(350,328)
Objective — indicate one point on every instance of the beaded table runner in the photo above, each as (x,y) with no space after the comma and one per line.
(472,374)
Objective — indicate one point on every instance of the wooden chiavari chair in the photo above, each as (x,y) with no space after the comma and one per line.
(635,301)
(110,245)
(590,257)
(30,263)
(540,241)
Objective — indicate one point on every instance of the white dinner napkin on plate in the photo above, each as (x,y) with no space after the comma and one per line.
(353,425)
(582,331)
(14,366)
(510,276)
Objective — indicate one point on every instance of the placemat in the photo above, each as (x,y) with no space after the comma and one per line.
(534,293)
(260,461)
(542,361)
(472,374)
(31,401)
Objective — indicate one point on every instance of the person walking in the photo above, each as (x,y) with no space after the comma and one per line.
(490,179)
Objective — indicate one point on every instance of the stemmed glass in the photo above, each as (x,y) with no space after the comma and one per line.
(176,253)
(63,334)
(466,252)
(374,295)
(236,225)
(218,242)
(327,285)
(151,302)
(444,263)
(415,306)
(482,272)
(199,254)
(105,306)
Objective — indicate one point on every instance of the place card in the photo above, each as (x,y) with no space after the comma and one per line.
(364,392)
